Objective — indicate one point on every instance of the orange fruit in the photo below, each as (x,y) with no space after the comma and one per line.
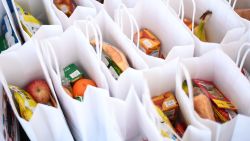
(80,86)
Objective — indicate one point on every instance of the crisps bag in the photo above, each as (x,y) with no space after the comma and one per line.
(216,31)
(21,69)
(118,74)
(60,53)
(174,41)
(219,69)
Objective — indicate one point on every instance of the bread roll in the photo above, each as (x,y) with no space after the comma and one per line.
(203,107)
(115,54)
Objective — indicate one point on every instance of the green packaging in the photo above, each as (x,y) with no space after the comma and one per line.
(72,73)
(3,44)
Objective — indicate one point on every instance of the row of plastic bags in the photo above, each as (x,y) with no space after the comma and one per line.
(129,113)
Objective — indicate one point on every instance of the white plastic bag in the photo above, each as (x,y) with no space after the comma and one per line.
(120,120)
(40,9)
(61,51)
(111,34)
(175,40)
(217,67)
(165,76)
(224,26)
(19,68)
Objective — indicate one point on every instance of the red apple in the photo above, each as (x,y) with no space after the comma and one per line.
(39,90)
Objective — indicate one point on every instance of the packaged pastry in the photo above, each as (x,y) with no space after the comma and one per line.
(224,109)
(29,23)
(148,42)
(113,58)
(203,107)
(66,6)
(26,104)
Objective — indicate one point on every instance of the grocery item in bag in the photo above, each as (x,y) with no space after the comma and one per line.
(148,42)
(66,6)
(164,126)
(40,91)
(168,110)
(203,107)
(29,23)
(199,30)
(244,13)
(113,58)
(80,86)
(75,82)
(224,109)
(25,102)
(168,104)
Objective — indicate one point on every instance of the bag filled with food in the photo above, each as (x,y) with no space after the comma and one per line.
(31,94)
(220,95)
(212,23)
(154,37)
(31,15)
(113,53)
(73,67)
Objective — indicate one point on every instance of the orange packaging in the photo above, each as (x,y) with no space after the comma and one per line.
(149,43)
(168,104)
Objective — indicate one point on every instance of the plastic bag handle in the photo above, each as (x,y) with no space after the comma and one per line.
(49,54)
(182,69)
(181,8)
(244,58)
(132,21)
(239,61)
(234,3)
(97,34)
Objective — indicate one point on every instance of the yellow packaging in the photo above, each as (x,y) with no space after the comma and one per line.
(164,124)
(25,102)
(29,23)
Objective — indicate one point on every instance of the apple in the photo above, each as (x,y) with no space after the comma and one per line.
(39,90)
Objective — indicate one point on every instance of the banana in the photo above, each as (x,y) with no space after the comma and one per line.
(199,30)
(25,102)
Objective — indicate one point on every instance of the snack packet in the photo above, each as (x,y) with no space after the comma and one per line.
(25,102)
(223,108)
(29,23)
